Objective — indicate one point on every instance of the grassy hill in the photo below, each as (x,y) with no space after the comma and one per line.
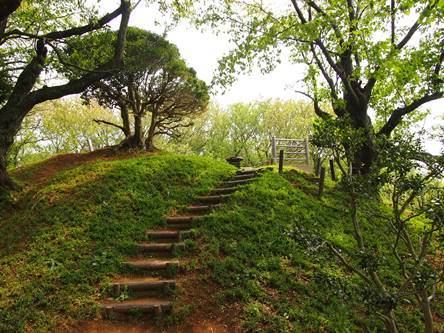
(265,249)
(69,232)
(260,258)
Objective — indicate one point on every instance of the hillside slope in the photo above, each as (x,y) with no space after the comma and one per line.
(69,232)
(260,265)
(265,251)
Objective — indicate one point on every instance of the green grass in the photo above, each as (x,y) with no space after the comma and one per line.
(65,240)
(265,250)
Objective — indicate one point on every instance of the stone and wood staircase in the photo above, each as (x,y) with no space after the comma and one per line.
(149,287)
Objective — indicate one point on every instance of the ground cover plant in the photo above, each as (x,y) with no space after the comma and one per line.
(266,250)
(66,236)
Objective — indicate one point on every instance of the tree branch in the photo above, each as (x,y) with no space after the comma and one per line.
(335,28)
(298,11)
(78,85)
(392,23)
(100,121)
(28,76)
(324,73)
(319,112)
(415,26)
(396,116)
(77,31)
(347,264)
(7,7)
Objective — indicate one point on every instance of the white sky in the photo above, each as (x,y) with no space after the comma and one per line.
(202,51)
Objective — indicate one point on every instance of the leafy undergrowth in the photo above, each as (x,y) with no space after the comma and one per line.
(79,223)
(265,250)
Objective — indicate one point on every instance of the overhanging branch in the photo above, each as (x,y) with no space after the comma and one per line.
(396,116)
(78,85)
(100,121)
(7,7)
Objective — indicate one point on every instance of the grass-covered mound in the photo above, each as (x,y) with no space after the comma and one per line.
(67,233)
(265,251)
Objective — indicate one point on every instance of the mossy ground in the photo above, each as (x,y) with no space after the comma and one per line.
(261,255)
(66,237)
(265,251)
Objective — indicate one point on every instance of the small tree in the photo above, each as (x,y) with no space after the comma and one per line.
(409,177)
(154,81)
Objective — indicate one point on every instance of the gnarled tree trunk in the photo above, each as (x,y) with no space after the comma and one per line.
(5,180)
(7,7)
(9,127)
(149,142)
(125,120)
(367,153)
(23,98)
(135,141)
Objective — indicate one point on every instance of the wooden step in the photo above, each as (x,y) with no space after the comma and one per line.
(223,190)
(142,285)
(149,305)
(159,247)
(182,219)
(182,227)
(170,235)
(247,172)
(231,183)
(201,208)
(213,199)
(167,235)
(244,176)
(152,264)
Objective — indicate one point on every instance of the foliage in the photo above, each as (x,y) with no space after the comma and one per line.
(30,38)
(154,81)
(62,126)
(358,54)
(246,129)
(267,251)
(58,249)
(410,179)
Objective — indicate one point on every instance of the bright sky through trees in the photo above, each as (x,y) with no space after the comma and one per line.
(202,50)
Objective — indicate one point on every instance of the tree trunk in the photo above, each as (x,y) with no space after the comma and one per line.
(366,156)
(7,133)
(5,181)
(390,322)
(426,311)
(90,145)
(138,132)
(7,7)
(125,120)
(135,141)
(149,142)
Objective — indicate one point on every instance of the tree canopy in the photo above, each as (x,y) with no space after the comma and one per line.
(246,129)
(30,40)
(360,55)
(155,80)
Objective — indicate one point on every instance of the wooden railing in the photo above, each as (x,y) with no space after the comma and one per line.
(293,149)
